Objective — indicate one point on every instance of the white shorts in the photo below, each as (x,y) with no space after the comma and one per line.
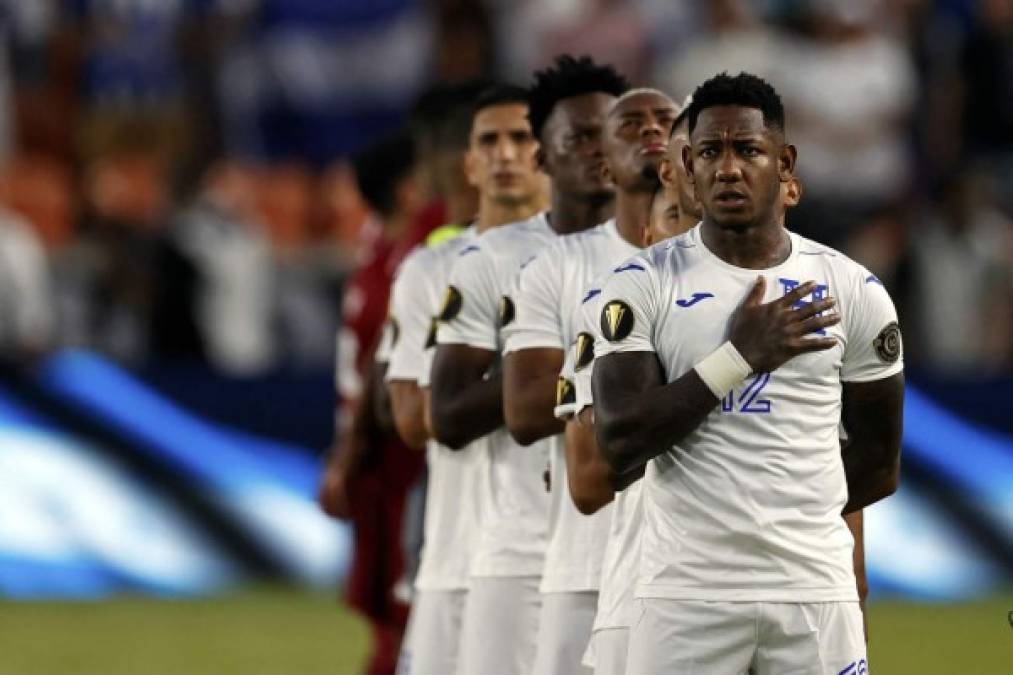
(431,642)
(731,638)
(500,625)
(564,629)
(606,653)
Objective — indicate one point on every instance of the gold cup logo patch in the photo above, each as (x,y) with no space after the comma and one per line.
(616,320)
(584,351)
(452,302)
(506,311)
(565,393)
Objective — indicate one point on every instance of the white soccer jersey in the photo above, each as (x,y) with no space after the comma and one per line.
(515,504)
(747,507)
(621,557)
(452,502)
(545,294)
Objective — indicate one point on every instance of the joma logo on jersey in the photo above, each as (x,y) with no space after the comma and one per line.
(820,292)
(616,320)
(859,667)
(693,299)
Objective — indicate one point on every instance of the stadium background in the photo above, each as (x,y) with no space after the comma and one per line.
(157,484)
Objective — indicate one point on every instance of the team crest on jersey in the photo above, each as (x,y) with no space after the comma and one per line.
(452,302)
(584,351)
(506,311)
(888,343)
(431,336)
(565,393)
(616,321)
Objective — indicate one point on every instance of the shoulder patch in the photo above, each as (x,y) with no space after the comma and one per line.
(395,330)
(888,343)
(565,393)
(452,302)
(616,320)
(506,311)
(584,353)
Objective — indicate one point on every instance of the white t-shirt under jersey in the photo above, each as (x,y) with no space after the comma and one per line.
(621,556)
(546,292)
(515,505)
(747,507)
(452,501)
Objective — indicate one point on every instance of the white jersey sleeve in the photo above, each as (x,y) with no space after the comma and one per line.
(582,351)
(874,349)
(470,311)
(536,304)
(628,310)
(410,317)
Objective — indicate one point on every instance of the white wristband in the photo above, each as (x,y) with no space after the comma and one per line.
(723,369)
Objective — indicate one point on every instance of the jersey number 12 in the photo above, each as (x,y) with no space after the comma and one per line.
(748,400)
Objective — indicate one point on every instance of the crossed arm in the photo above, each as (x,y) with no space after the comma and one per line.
(466,395)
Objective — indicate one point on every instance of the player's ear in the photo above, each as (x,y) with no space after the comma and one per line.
(666,173)
(793,192)
(786,162)
(687,163)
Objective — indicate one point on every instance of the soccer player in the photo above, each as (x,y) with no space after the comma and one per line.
(727,358)
(370,470)
(501,614)
(498,140)
(634,140)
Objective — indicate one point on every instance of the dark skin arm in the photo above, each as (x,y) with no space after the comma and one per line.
(383,415)
(638,415)
(529,385)
(592,482)
(408,406)
(465,404)
(873,414)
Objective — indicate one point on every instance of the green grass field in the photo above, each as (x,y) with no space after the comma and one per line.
(279,631)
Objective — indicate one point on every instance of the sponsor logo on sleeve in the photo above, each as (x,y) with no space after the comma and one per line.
(452,302)
(616,320)
(888,343)
(584,351)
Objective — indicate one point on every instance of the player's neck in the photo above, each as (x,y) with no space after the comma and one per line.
(575,213)
(495,213)
(633,212)
(755,248)
(462,207)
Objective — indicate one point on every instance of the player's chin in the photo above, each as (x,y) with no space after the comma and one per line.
(732,220)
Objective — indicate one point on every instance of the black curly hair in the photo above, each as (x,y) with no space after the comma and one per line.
(566,78)
(744,90)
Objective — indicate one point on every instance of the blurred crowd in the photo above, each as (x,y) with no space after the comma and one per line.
(175,179)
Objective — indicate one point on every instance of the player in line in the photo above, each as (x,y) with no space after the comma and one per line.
(593,484)
(488,127)
(725,360)
(501,614)
(634,140)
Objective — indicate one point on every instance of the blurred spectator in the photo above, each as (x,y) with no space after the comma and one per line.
(24,29)
(848,85)
(963,283)
(731,39)
(26,302)
(223,281)
(111,272)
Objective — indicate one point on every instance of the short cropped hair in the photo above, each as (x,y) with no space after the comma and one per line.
(748,91)
(500,94)
(442,114)
(380,166)
(568,77)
